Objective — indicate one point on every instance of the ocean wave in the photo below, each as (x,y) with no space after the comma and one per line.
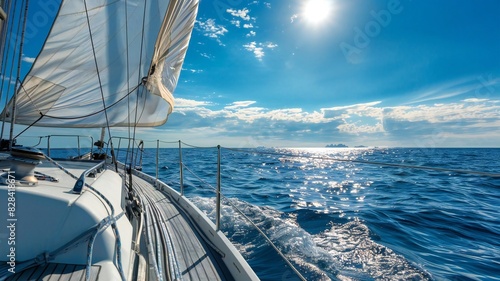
(344,251)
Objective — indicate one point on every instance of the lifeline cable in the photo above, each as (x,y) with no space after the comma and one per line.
(493,175)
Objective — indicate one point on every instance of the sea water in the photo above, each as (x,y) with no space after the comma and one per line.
(342,220)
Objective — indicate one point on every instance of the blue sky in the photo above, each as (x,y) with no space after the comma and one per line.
(377,73)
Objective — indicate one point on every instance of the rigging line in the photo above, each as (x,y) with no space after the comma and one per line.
(93,113)
(493,175)
(194,146)
(29,97)
(113,223)
(98,77)
(128,77)
(119,262)
(140,80)
(166,141)
(8,37)
(285,259)
(14,99)
(25,129)
(36,121)
(269,241)
(197,177)
(4,30)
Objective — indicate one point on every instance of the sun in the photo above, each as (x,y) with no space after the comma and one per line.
(316,11)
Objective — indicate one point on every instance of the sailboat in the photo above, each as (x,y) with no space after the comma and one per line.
(104,64)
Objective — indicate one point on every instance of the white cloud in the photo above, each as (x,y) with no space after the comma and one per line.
(239,104)
(474,100)
(474,88)
(248,25)
(6,78)
(370,123)
(28,59)
(361,109)
(452,112)
(193,70)
(353,128)
(257,51)
(180,102)
(270,45)
(239,13)
(205,55)
(212,30)
(258,48)
(251,34)
(236,23)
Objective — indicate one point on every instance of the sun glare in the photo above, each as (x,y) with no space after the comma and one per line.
(316,11)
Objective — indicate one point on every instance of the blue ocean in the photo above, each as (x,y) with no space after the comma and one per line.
(350,218)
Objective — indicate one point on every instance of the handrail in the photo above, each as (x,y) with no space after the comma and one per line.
(217,200)
(219,196)
(181,172)
(140,146)
(80,183)
(78,142)
(110,220)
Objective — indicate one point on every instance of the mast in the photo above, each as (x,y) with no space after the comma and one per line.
(61,77)
(14,98)
(3,18)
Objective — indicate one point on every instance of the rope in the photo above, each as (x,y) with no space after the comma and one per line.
(99,78)
(140,81)
(194,146)
(128,75)
(14,98)
(266,238)
(36,121)
(93,113)
(113,222)
(254,225)
(327,159)
(196,176)
(167,141)
(101,227)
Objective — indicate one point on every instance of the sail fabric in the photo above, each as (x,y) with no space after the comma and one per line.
(139,49)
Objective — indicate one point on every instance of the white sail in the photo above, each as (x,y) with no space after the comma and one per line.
(139,49)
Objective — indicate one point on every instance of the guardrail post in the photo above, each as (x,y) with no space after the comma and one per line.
(48,146)
(217,201)
(157,160)
(91,146)
(78,141)
(118,150)
(181,169)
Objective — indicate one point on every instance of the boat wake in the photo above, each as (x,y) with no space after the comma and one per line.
(340,252)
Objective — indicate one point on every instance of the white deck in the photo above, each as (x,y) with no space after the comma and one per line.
(49,215)
(59,272)
(195,259)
